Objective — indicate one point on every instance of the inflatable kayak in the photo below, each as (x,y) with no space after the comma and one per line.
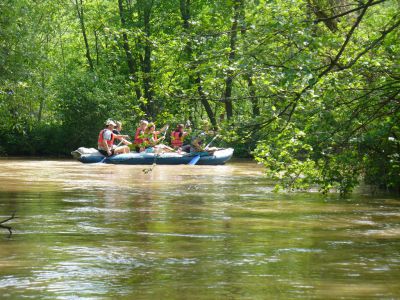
(91,155)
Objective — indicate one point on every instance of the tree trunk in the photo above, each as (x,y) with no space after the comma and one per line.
(253,97)
(79,9)
(248,76)
(97,47)
(62,51)
(185,14)
(128,53)
(42,97)
(232,54)
(320,12)
(204,101)
(146,66)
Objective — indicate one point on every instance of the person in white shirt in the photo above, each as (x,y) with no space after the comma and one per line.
(105,142)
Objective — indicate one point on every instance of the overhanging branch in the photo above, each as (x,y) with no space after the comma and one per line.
(346,12)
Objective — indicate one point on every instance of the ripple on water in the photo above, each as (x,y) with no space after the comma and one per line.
(248,261)
(365,222)
(79,200)
(13,281)
(383,268)
(382,233)
(91,209)
(181,230)
(300,250)
(189,235)
(108,257)
(181,261)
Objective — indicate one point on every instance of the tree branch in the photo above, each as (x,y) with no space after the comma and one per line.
(346,12)
(372,45)
(8,227)
(333,63)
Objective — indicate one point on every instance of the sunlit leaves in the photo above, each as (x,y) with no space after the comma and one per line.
(317,120)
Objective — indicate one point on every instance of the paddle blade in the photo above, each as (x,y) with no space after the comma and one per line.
(102,161)
(194,160)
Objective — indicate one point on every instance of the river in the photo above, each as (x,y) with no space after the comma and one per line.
(188,232)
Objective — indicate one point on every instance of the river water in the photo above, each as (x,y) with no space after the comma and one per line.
(188,232)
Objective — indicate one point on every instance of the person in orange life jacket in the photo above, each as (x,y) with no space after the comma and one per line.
(117,131)
(105,142)
(139,136)
(151,140)
(177,138)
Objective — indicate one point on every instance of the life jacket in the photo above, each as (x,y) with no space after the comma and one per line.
(150,139)
(138,139)
(177,138)
(101,139)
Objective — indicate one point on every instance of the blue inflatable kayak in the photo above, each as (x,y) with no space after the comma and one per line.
(218,157)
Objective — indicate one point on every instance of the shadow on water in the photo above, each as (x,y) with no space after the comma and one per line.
(189,232)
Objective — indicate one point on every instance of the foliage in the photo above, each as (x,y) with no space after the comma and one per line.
(310,88)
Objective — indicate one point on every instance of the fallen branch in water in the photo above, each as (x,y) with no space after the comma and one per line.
(8,227)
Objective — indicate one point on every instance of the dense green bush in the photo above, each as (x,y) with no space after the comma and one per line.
(310,89)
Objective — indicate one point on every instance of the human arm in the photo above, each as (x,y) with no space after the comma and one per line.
(121,136)
(105,146)
(154,140)
(125,142)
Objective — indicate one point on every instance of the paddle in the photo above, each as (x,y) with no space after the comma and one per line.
(100,162)
(208,145)
(145,171)
(165,130)
(194,160)
(120,143)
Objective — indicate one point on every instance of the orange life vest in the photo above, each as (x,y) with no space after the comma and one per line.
(138,140)
(101,139)
(176,140)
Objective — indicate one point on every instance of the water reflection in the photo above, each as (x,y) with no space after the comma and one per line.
(193,232)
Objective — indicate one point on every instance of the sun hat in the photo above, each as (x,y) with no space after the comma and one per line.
(110,122)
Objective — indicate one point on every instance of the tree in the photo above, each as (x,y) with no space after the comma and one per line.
(310,88)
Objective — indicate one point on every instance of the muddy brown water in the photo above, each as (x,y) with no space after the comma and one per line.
(188,232)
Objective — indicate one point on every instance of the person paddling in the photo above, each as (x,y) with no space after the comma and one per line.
(139,136)
(177,138)
(105,142)
(152,141)
(117,130)
(198,139)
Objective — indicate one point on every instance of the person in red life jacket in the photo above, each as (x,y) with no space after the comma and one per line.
(105,142)
(152,141)
(139,136)
(177,138)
